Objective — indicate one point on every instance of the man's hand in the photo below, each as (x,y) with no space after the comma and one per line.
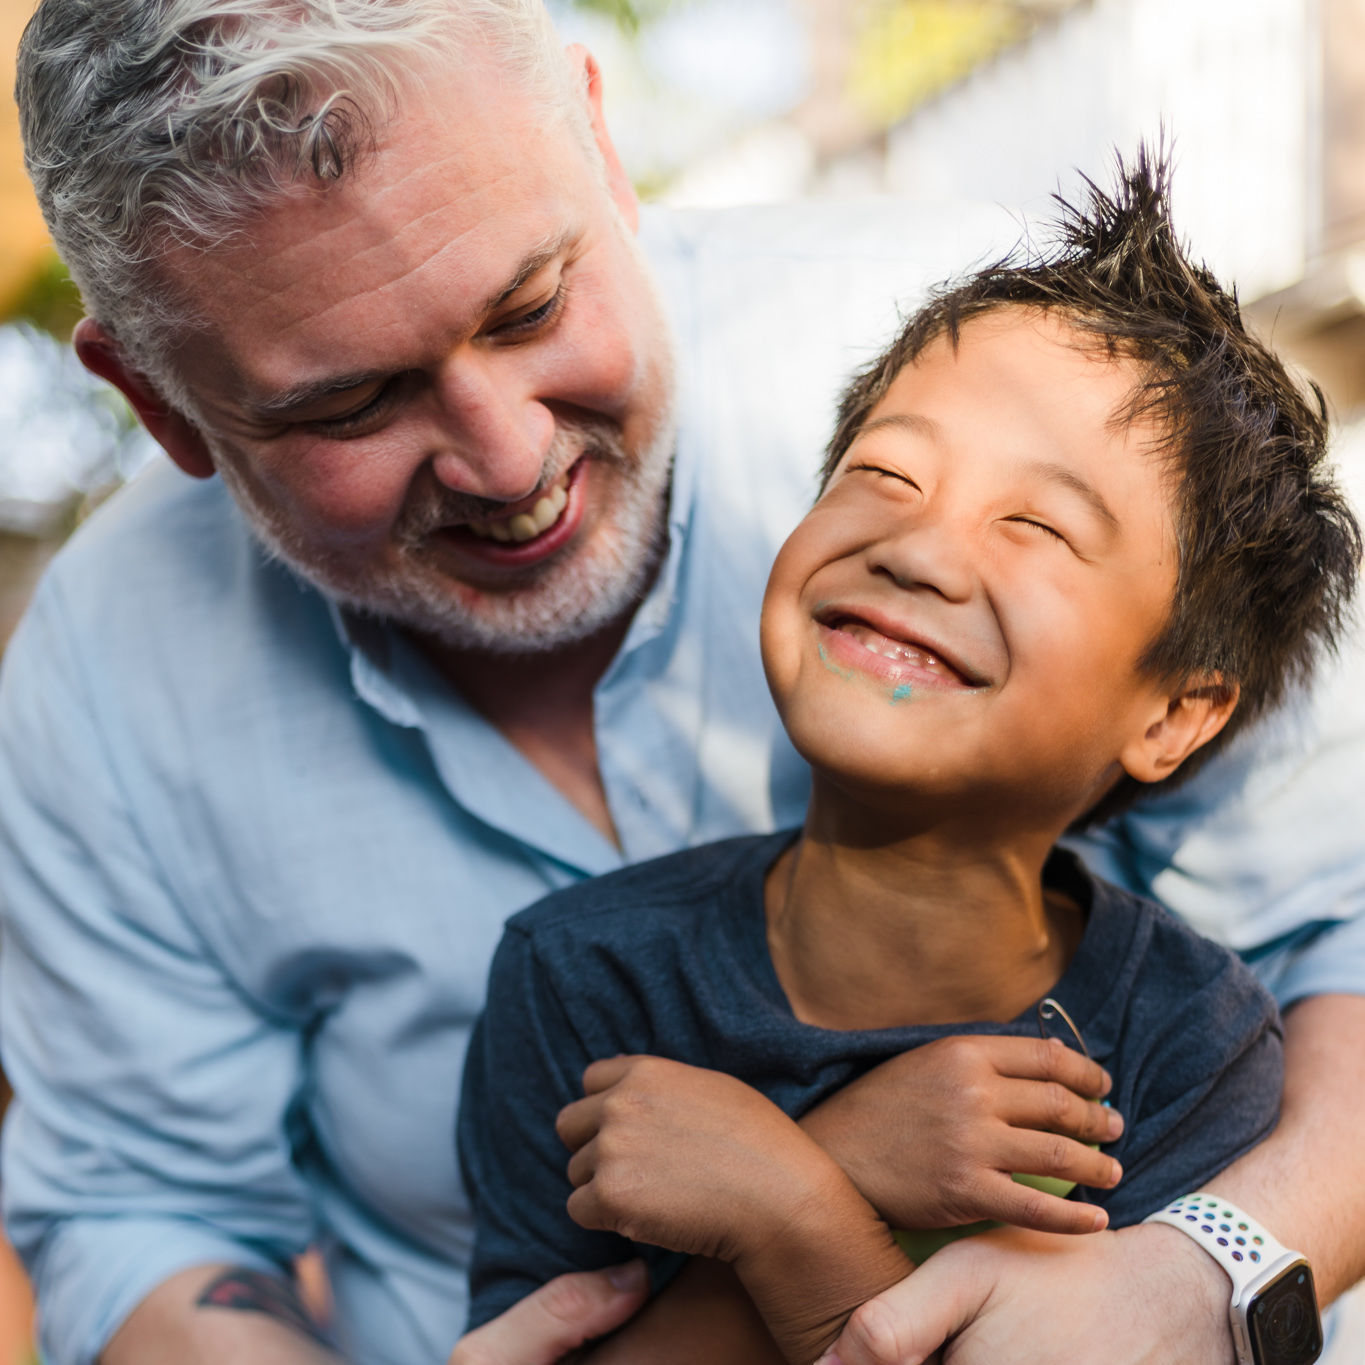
(931,1137)
(691,1160)
(1140,1296)
(558,1318)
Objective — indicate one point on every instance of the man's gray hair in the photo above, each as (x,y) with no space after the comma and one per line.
(153,122)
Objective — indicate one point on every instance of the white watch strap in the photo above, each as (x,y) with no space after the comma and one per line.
(1234,1239)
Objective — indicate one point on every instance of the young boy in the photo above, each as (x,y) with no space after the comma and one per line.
(1074,532)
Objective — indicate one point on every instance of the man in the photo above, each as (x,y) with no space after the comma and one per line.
(373,264)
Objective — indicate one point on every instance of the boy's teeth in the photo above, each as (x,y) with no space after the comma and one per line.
(525,525)
(878,643)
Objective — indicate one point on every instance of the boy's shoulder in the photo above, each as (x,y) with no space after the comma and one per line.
(1158,987)
(641,958)
(1185,955)
(676,887)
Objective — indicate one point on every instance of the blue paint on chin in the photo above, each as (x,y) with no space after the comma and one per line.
(903,693)
(834,668)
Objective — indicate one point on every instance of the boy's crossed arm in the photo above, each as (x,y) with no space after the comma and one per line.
(698,1162)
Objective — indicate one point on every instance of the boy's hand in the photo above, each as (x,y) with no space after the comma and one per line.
(931,1137)
(698,1162)
(692,1160)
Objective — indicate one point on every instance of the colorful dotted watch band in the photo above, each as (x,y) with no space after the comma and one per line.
(1238,1243)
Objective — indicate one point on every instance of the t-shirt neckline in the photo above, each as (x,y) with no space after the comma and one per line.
(1083,989)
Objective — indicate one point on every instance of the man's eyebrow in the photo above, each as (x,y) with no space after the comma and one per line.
(302,396)
(1069,479)
(534,261)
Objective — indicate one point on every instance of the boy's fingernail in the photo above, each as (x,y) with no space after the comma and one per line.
(1116,1174)
(627,1278)
(1115,1128)
(1101,1221)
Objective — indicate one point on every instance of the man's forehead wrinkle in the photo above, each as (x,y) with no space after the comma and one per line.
(392,230)
(459,319)
(277,297)
(274,398)
(371,275)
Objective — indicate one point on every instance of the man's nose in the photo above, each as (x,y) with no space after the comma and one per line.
(932,554)
(495,434)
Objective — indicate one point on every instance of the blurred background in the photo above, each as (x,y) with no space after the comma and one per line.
(717,102)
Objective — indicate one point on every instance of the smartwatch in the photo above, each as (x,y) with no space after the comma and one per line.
(1274,1309)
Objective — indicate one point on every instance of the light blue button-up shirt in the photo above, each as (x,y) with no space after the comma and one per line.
(255,855)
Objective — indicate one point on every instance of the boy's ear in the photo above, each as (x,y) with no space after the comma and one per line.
(177,436)
(1191,717)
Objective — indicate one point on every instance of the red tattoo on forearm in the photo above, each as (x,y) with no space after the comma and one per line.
(253,1291)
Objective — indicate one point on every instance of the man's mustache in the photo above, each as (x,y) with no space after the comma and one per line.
(436,506)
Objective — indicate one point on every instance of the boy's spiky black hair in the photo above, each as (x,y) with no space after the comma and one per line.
(1269,549)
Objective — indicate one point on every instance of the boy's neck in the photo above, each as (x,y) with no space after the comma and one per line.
(925,928)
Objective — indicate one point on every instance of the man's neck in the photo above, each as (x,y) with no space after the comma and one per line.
(917,927)
(543,704)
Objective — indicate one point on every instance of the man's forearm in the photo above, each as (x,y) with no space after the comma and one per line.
(220,1315)
(1148,1292)
(1306,1181)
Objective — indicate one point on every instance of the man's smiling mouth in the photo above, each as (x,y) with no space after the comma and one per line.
(531,533)
(530,522)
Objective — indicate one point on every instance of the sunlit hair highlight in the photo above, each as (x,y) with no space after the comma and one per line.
(1269,549)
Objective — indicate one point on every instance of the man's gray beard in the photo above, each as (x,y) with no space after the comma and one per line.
(566,603)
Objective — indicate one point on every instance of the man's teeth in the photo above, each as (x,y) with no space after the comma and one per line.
(526,525)
(877,643)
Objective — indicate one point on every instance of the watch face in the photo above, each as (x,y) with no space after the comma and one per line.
(1282,1320)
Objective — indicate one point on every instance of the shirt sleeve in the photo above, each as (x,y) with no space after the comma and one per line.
(151,1126)
(1324,959)
(1198,1082)
(525,1062)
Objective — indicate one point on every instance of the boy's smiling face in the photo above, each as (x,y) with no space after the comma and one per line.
(963,612)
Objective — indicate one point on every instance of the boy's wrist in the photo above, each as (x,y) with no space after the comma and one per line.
(809,1197)
(807,1272)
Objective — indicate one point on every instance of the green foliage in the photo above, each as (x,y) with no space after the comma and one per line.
(630,15)
(51,301)
(908,51)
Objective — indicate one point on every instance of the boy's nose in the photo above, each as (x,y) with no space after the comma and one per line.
(933,557)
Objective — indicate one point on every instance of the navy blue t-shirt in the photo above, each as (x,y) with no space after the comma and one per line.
(670,958)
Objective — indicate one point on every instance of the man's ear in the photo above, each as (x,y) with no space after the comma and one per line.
(177,436)
(618,182)
(1186,721)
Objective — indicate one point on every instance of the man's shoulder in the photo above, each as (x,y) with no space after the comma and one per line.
(166,574)
(943,238)
(773,308)
(160,540)
(785,296)
(645,959)
(161,616)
